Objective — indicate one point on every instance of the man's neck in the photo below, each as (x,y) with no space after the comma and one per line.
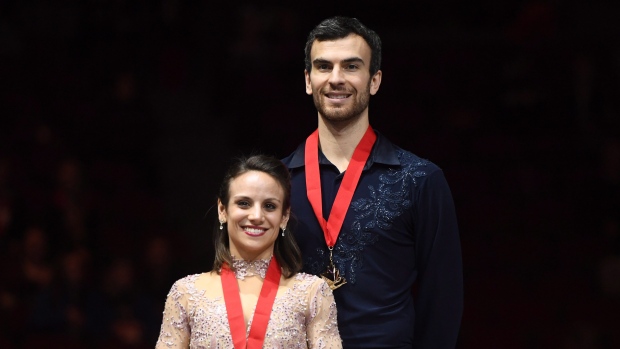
(338,141)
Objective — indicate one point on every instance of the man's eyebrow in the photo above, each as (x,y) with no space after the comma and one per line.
(346,60)
(353,60)
(320,61)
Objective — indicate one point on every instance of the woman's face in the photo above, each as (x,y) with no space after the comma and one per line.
(254,215)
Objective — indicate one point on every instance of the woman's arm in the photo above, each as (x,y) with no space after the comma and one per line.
(321,320)
(175,330)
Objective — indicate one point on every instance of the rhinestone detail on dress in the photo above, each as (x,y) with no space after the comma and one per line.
(245,269)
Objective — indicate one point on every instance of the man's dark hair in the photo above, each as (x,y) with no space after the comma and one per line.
(285,249)
(340,27)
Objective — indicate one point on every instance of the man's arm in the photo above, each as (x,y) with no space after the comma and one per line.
(439,290)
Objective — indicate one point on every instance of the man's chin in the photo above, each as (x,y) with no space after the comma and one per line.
(339,118)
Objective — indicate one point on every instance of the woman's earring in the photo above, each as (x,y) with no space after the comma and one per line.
(283,229)
(221,225)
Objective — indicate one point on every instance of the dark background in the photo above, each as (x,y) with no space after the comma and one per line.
(117,119)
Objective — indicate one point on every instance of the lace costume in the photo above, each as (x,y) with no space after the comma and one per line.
(303,316)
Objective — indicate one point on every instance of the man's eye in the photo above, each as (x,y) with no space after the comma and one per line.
(352,67)
(323,67)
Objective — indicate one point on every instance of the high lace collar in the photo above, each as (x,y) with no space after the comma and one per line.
(245,269)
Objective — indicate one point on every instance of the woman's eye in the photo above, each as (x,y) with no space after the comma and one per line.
(243,203)
(270,207)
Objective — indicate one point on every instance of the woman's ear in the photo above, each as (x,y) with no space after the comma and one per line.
(285,218)
(221,211)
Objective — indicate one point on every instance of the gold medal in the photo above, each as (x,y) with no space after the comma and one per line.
(332,274)
(331,227)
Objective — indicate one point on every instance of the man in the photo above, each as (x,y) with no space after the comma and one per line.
(375,220)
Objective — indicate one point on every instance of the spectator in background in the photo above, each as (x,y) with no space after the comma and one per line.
(117,311)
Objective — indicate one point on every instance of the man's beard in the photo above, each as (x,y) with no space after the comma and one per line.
(345,113)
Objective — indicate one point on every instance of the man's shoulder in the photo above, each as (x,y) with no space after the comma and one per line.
(409,159)
(287,160)
(405,158)
(415,170)
(296,158)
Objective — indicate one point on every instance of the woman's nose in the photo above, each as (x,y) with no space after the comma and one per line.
(256,213)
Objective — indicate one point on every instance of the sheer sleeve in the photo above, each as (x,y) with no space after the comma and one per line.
(322,325)
(175,330)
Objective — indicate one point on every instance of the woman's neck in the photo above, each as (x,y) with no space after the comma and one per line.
(245,268)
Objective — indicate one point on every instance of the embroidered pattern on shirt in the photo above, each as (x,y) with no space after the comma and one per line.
(386,202)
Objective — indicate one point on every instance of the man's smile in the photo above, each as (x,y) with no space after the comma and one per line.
(338,95)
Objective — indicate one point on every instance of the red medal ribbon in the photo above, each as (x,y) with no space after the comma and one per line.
(260,320)
(331,227)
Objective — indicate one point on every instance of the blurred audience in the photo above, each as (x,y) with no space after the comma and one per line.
(519,107)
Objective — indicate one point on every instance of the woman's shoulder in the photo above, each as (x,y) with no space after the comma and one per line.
(198,287)
(301,276)
(187,283)
(189,279)
(311,280)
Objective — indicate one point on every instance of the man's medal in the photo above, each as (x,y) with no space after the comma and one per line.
(332,274)
(331,227)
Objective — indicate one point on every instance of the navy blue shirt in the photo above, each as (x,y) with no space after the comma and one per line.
(398,249)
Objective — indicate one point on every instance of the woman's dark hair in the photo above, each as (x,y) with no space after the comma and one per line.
(340,27)
(285,250)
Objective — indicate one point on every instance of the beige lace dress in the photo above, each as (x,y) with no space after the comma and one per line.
(303,315)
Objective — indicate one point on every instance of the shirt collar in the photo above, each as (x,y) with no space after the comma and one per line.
(383,152)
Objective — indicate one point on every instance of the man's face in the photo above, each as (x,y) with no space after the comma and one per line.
(340,81)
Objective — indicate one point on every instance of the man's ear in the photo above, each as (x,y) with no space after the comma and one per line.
(308,84)
(375,82)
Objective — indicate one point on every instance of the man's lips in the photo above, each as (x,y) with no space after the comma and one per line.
(337,95)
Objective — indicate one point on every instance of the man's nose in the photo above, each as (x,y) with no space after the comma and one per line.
(336,76)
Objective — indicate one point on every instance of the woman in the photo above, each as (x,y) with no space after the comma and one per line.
(255,294)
